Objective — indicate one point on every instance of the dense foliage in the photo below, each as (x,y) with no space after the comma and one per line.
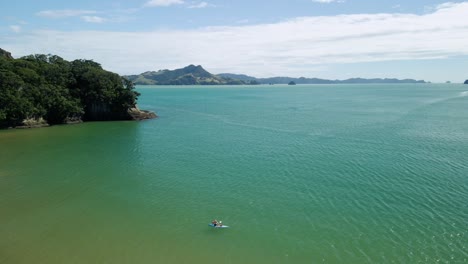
(49,87)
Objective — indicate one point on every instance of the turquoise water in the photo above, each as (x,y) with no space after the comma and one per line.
(303,174)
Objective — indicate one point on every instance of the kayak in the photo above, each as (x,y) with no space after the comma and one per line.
(223,226)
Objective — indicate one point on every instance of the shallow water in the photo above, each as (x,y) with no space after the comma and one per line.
(303,174)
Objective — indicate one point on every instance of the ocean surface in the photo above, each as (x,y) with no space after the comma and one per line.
(301,174)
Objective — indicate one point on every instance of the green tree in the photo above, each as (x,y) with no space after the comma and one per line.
(49,87)
(14,108)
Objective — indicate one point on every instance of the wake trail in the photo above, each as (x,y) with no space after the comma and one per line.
(435,101)
(225,120)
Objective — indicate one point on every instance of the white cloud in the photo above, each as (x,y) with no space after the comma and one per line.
(292,47)
(64,13)
(199,5)
(328,1)
(93,19)
(433,8)
(446,5)
(164,2)
(15,28)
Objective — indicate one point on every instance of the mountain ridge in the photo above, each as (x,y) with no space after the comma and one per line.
(197,75)
(189,75)
(304,80)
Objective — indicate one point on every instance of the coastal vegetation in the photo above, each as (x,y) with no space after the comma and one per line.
(40,89)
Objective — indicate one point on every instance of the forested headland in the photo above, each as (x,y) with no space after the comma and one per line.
(43,89)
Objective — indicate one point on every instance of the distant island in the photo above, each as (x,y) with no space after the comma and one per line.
(291,83)
(41,90)
(196,75)
(466,82)
(304,80)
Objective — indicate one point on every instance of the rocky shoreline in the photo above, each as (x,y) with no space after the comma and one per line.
(32,123)
(135,114)
(138,114)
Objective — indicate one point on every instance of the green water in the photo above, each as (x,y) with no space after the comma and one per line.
(304,174)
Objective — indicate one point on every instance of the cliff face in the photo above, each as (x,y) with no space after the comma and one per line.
(103,112)
(5,54)
(100,112)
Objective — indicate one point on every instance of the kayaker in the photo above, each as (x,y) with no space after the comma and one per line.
(214,222)
(220,223)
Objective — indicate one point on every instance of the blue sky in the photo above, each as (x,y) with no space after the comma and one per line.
(333,39)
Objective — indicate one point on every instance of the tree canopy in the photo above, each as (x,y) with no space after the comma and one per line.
(49,87)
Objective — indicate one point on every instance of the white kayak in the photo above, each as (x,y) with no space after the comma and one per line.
(217,226)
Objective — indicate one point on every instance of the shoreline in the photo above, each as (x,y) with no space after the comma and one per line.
(274,85)
(135,114)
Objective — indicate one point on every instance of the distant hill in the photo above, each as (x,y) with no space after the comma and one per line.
(303,80)
(196,75)
(466,82)
(190,75)
(242,77)
(378,80)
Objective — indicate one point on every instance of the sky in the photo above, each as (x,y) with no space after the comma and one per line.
(331,39)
